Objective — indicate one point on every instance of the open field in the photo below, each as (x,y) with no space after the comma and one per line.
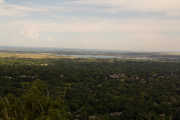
(54,53)
(31,55)
(172,53)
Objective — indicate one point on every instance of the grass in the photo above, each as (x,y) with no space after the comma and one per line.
(171,53)
(32,55)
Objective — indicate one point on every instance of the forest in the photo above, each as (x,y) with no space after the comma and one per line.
(89,89)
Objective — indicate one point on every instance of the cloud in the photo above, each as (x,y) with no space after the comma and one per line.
(78,7)
(31,31)
(1,1)
(132,34)
(170,7)
(101,25)
(18,10)
(81,19)
(34,30)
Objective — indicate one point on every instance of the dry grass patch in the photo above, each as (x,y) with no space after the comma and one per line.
(32,55)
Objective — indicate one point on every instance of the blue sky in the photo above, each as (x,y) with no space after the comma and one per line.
(136,25)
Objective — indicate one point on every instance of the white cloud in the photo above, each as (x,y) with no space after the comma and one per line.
(30,31)
(99,25)
(136,34)
(141,32)
(168,6)
(1,1)
(137,27)
(18,10)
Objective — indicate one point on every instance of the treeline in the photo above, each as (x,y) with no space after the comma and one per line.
(34,102)
(89,89)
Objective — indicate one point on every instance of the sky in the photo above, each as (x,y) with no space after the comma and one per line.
(133,25)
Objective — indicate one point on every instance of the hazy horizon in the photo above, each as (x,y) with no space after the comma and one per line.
(83,49)
(125,25)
